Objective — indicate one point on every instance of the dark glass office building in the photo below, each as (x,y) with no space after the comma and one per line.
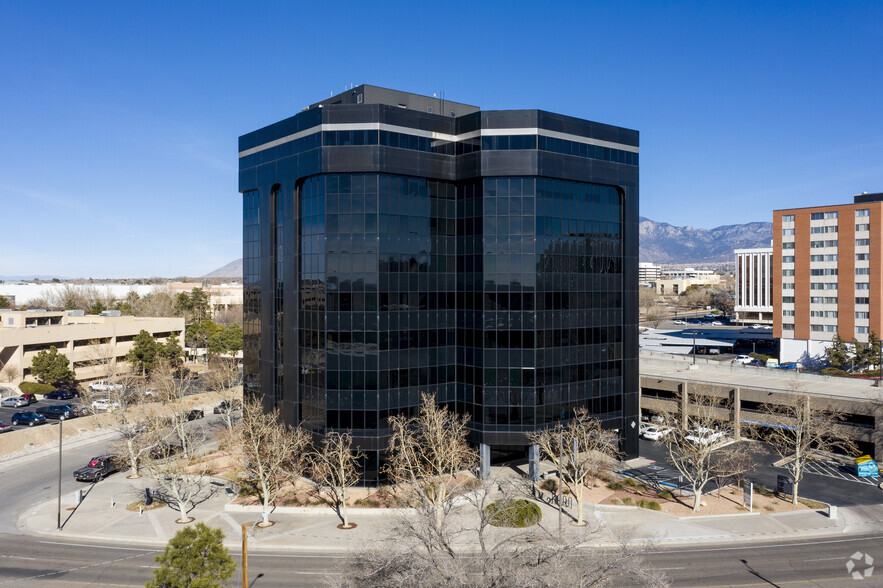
(396,244)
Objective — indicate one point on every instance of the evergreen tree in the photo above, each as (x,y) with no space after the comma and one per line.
(52,367)
(145,354)
(868,354)
(232,338)
(194,557)
(199,305)
(838,353)
(172,351)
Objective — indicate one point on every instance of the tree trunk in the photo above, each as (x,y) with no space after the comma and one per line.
(579,505)
(794,494)
(266,511)
(346,521)
(182,508)
(697,498)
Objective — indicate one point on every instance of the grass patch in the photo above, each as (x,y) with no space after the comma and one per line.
(628,501)
(616,501)
(665,495)
(369,502)
(649,504)
(763,491)
(813,504)
(630,482)
(615,486)
(516,514)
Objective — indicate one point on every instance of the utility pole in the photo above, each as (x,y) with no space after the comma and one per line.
(60,427)
(244,555)
(694,347)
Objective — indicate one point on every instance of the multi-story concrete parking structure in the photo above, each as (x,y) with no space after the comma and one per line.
(754,285)
(396,244)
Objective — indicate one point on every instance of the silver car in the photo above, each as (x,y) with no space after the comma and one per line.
(14,401)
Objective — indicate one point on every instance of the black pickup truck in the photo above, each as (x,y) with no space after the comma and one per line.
(97,469)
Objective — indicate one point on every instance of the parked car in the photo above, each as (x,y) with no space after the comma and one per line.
(657,418)
(195,414)
(679,322)
(14,401)
(757,363)
(716,324)
(756,326)
(29,418)
(790,365)
(97,469)
(4,428)
(164,450)
(105,386)
(80,409)
(695,322)
(704,436)
(30,398)
(60,394)
(104,404)
(222,408)
(643,427)
(656,433)
(58,411)
(743,359)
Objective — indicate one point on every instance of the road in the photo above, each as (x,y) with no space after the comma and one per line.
(46,561)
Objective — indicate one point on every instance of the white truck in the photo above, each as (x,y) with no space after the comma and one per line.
(105,386)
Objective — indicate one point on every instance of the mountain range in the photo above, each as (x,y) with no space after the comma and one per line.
(665,243)
(659,243)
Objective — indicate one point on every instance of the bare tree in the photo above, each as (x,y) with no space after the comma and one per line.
(798,429)
(170,386)
(181,478)
(429,452)
(10,373)
(228,316)
(225,378)
(655,316)
(730,464)
(156,303)
(273,452)
(647,299)
(578,449)
(418,552)
(335,468)
(691,446)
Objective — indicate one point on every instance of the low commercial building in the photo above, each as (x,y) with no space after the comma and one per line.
(220,296)
(675,286)
(88,341)
(667,382)
(648,273)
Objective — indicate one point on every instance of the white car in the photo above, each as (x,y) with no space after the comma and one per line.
(716,324)
(104,404)
(679,322)
(743,359)
(656,433)
(704,436)
(105,386)
(756,326)
(767,328)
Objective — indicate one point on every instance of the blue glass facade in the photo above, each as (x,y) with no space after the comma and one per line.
(498,272)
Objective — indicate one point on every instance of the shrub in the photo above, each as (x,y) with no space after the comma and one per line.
(615,501)
(518,513)
(35,388)
(665,494)
(762,490)
(630,482)
(549,485)
(615,486)
(649,504)
(628,501)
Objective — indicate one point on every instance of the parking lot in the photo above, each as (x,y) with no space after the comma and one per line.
(7,412)
(834,469)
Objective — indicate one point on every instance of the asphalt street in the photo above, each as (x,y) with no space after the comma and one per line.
(47,561)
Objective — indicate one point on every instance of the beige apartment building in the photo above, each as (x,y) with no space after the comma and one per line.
(221,296)
(88,341)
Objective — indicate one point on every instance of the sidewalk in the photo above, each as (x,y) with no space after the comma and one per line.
(314,530)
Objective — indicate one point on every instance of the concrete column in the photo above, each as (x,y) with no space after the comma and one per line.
(685,403)
(533,462)
(736,413)
(484,461)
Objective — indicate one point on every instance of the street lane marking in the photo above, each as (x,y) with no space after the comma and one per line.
(99,546)
(872,538)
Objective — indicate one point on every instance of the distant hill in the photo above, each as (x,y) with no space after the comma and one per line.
(665,243)
(231,270)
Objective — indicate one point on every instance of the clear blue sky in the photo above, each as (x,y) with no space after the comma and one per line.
(119,120)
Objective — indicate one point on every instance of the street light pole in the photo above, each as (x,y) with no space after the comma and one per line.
(60,427)
(694,347)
